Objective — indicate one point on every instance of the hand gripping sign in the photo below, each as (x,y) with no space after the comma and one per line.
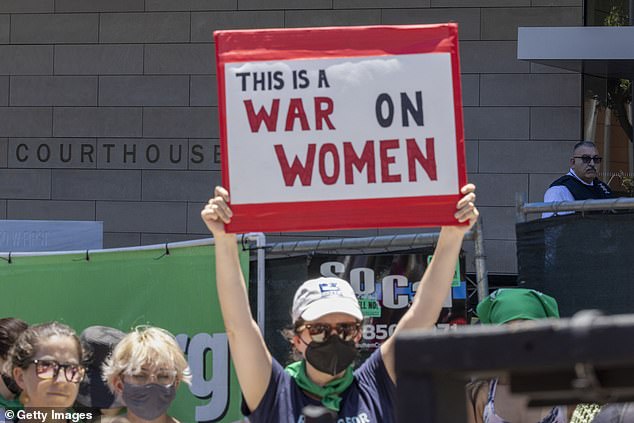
(341,128)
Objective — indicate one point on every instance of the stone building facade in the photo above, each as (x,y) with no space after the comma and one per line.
(108,108)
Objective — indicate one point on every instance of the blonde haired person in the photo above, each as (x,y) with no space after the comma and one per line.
(145,370)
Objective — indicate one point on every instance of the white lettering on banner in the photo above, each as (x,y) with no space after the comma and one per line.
(390,298)
(332,269)
(24,239)
(361,418)
(43,416)
(202,349)
(379,332)
(362,280)
(393,291)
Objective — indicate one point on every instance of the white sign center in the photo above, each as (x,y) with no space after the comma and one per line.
(310,130)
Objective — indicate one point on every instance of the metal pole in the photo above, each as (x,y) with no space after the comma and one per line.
(631,108)
(520,200)
(260,243)
(607,141)
(480,262)
(383,242)
(630,145)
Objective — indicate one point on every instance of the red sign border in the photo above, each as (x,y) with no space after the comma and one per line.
(318,43)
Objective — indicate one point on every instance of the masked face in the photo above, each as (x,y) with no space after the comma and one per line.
(148,401)
(331,356)
(329,344)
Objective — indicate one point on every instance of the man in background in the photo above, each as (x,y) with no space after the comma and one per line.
(582,181)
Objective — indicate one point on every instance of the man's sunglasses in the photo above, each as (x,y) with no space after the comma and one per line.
(586,159)
(320,332)
(49,369)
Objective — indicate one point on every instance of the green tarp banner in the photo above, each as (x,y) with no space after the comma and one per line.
(126,288)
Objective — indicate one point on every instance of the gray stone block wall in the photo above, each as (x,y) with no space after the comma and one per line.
(32,184)
(143,216)
(27,6)
(54,28)
(26,121)
(4,90)
(4,151)
(555,123)
(5,28)
(26,59)
(160,90)
(179,59)
(108,108)
(110,59)
(49,90)
(97,122)
(50,210)
(84,184)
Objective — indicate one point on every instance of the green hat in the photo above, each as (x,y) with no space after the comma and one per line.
(509,304)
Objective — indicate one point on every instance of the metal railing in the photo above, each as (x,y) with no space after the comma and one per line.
(389,243)
(524,208)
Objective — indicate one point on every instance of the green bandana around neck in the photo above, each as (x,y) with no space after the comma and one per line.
(330,393)
(13,404)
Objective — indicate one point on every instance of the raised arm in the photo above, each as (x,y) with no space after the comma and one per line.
(436,282)
(251,358)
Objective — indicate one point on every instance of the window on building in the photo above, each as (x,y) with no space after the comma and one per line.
(607,105)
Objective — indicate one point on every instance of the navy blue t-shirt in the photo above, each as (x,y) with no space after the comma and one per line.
(370,398)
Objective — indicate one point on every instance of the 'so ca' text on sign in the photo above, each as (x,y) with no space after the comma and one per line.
(341,128)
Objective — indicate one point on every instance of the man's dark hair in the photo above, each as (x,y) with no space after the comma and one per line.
(583,144)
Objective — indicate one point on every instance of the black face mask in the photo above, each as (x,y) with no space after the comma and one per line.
(332,356)
(11,385)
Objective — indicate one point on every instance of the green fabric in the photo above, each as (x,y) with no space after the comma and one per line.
(329,393)
(126,288)
(13,404)
(508,304)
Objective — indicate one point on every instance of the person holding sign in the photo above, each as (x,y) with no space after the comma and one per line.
(327,321)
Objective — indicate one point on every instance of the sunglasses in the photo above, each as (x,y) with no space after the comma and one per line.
(49,369)
(587,159)
(320,332)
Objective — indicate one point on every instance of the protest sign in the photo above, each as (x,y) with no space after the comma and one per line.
(341,128)
(173,289)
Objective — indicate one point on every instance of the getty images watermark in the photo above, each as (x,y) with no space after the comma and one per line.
(46,416)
